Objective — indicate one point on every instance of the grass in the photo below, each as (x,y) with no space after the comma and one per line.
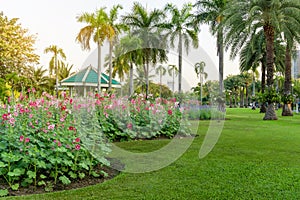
(253,159)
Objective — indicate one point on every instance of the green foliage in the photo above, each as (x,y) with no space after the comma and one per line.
(287,98)
(270,96)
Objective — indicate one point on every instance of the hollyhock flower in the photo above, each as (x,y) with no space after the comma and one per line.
(16,114)
(28,90)
(170,112)
(77,140)
(129,126)
(77,147)
(59,143)
(33,90)
(71,128)
(62,119)
(27,140)
(30,115)
(12,121)
(51,127)
(21,138)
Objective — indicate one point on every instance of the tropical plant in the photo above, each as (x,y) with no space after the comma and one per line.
(182,29)
(242,16)
(173,71)
(97,28)
(199,69)
(161,71)
(145,25)
(211,12)
(53,64)
(117,27)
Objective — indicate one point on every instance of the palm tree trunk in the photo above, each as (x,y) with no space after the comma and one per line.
(242,97)
(131,79)
(247,96)
(263,108)
(160,80)
(179,63)
(269,34)
(56,75)
(221,106)
(286,110)
(110,65)
(147,76)
(99,69)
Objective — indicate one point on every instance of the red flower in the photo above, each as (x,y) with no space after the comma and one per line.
(77,140)
(170,112)
(77,147)
(71,128)
(63,108)
(21,138)
(27,140)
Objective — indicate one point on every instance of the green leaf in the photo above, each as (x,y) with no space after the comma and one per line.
(40,183)
(3,193)
(94,174)
(15,186)
(2,164)
(42,176)
(84,165)
(31,174)
(72,175)
(41,164)
(81,175)
(3,145)
(65,180)
(16,172)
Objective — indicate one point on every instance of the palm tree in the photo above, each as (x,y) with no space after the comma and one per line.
(132,53)
(117,27)
(199,69)
(211,12)
(57,52)
(145,25)
(172,71)
(244,15)
(161,71)
(39,79)
(181,28)
(65,70)
(97,28)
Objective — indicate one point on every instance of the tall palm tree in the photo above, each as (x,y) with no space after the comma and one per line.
(145,25)
(161,71)
(117,27)
(173,71)
(97,28)
(211,12)
(199,69)
(57,52)
(182,29)
(245,15)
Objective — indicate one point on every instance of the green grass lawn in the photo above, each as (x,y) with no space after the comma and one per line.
(253,159)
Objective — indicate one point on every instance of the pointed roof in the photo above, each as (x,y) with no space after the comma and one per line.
(88,77)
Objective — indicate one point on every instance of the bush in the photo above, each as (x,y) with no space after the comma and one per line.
(42,142)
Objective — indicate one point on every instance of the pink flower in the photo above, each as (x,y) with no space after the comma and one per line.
(77,140)
(59,143)
(16,114)
(129,126)
(51,127)
(170,112)
(12,121)
(27,140)
(77,147)
(62,119)
(21,138)
(33,90)
(30,115)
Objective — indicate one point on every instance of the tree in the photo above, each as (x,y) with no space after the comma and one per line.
(145,25)
(161,71)
(97,28)
(199,69)
(39,79)
(65,70)
(172,71)
(16,48)
(57,52)
(181,28)
(117,27)
(266,15)
(211,12)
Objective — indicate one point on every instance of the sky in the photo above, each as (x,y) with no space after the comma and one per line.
(54,23)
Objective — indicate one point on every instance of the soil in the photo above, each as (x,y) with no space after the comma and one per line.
(78,183)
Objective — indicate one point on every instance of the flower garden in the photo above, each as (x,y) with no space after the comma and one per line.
(45,141)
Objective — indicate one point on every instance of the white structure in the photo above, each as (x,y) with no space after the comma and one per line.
(296,65)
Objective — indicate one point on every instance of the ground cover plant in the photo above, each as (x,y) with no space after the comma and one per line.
(253,159)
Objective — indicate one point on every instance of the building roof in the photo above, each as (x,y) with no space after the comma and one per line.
(88,77)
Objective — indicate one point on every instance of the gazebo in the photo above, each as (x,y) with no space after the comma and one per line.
(86,81)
